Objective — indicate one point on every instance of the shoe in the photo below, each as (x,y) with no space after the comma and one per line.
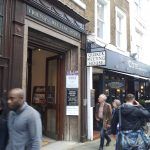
(108,142)
(100,148)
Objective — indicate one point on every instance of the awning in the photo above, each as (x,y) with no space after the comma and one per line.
(132,75)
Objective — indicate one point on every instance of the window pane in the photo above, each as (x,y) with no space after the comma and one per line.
(1,7)
(118,39)
(119,20)
(1,23)
(100,28)
(100,11)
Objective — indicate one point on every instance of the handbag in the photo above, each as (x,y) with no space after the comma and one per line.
(131,139)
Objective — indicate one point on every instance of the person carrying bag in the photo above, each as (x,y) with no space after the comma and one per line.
(130,117)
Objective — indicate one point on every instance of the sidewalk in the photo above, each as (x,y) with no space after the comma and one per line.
(65,145)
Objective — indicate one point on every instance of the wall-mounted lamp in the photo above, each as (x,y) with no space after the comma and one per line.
(133,55)
(142,87)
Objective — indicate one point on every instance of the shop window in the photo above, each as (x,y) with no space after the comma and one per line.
(114,87)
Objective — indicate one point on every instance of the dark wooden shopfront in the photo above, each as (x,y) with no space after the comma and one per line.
(64,38)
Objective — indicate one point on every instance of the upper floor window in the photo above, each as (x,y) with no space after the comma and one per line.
(103,20)
(1,24)
(121,30)
(137,7)
(138,43)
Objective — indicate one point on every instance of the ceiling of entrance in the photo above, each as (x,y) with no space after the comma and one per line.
(43,41)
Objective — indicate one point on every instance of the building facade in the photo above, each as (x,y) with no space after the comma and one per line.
(42,50)
(111,64)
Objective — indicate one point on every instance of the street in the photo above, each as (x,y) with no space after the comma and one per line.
(65,145)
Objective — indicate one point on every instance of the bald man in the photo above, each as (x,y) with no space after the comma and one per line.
(24,123)
(103,116)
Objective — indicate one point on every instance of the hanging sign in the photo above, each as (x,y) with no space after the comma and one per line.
(96,58)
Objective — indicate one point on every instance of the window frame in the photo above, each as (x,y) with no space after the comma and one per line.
(106,22)
(123,29)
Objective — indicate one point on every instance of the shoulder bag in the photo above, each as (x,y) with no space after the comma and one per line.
(131,139)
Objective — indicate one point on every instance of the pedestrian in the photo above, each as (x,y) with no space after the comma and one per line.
(116,103)
(24,123)
(3,124)
(130,117)
(103,116)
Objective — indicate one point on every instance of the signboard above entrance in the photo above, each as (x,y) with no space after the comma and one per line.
(96,58)
(48,20)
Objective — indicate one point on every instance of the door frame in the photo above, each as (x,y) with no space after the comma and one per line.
(59,106)
(4,65)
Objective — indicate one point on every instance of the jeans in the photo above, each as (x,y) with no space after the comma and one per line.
(103,136)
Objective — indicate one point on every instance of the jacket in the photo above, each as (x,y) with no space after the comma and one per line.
(107,114)
(3,132)
(132,118)
(25,130)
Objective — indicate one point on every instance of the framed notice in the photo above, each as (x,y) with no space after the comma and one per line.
(42,95)
(72,97)
(72,81)
(72,110)
(39,95)
(72,107)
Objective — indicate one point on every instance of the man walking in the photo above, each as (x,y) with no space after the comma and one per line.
(103,116)
(24,123)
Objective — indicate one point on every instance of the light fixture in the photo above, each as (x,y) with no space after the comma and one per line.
(118,90)
(39,49)
(142,87)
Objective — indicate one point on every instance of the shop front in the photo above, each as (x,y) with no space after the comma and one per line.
(115,75)
(48,42)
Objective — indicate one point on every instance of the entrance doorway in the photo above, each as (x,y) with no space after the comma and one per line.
(45,89)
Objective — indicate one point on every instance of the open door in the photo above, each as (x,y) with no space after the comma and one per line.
(55,96)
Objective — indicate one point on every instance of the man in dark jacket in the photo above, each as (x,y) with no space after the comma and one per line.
(103,116)
(3,124)
(132,116)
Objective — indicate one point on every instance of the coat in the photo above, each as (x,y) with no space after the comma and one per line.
(132,118)
(107,114)
(3,133)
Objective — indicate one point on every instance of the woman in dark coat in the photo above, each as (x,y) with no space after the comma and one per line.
(3,124)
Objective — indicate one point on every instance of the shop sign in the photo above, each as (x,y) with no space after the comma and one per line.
(96,58)
(38,15)
(116,85)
